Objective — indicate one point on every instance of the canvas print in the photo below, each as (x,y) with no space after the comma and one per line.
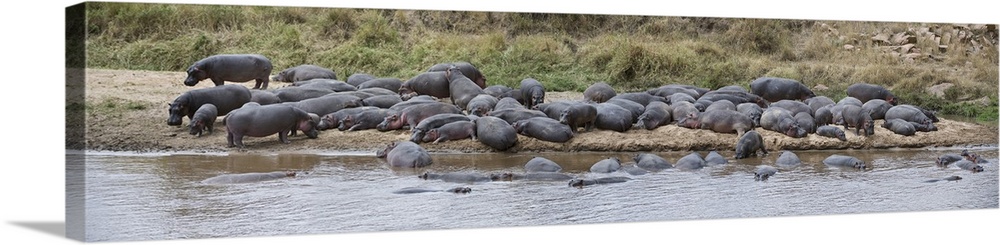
(204,121)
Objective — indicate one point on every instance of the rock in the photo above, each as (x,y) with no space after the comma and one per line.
(938,90)
(984,101)
(903,38)
(906,48)
(820,87)
(848,47)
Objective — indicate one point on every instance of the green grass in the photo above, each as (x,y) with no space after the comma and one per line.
(566,52)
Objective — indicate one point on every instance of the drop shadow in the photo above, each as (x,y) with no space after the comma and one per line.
(56,228)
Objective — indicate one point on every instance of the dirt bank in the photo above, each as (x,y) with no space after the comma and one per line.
(127,111)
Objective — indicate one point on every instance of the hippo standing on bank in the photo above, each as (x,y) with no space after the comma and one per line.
(541,164)
(545,129)
(844,161)
(865,92)
(608,165)
(774,89)
(303,73)
(749,144)
(578,115)
(265,120)
(599,92)
(832,132)
(204,119)
(532,92)
(495,133)
(230,67)
(405,154)
(861,120)
(225,98)
(461,89)
(451,131)
(466,68)
(247,177)
(656,114)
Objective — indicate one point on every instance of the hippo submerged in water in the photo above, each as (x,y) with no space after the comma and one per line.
(247,177)
(414,190)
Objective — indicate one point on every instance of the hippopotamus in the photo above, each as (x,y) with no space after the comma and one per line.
(733,96)
(973,157)
(751,110)
(774,89)
(481,104)
(613,117)
(405,154)
(412,115)
(877,108)
(204,119)
(678,97)
(427,83)
(225,98)
(580,183)
(749,144)
(326,104)
(362,119)
(358,78)
(793,106)
(514,93)
(451,131)
(655,114)
(416,100)
(264,120)
(495,133)
(599,92)
(854,116)
(909,113)
(247,177)
(633,107)
(391,84)
(667,91)
(969,165)
(303,72)
(819,101)
(578,115)
(947,159)
(531,176)
(541,164)
(721,105)
(382,101)
(764,172)
(788,158)
(467,69)
(414,190)
(264,97)
(929,114)
(923,127)
(461,89)
(507,103)
(734,88)
(640,97)
(376,91)
(850,101)
(832,132)
(230,67)
(837,160)
(865,92)
(293,94)
(456,177)
(513,115)
(497,90)
(900,127)
(721,121)
(682,110)
(544,128)
(651,162)
(554,108)
(823,115)
(691,161)
(332,120)
(782,121)
(714,158)
(532,92)
(806,122)
(949,178)
(432,122)
(608,165)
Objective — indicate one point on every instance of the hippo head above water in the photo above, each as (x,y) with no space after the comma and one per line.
(502,177)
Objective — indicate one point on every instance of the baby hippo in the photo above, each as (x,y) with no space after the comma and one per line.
(204,119)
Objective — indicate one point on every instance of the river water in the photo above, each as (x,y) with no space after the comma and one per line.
(160,196)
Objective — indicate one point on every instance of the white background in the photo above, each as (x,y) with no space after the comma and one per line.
(33,142)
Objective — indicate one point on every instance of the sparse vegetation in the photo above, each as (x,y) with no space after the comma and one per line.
(566,52)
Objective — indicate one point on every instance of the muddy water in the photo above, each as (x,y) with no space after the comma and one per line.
(160,196)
